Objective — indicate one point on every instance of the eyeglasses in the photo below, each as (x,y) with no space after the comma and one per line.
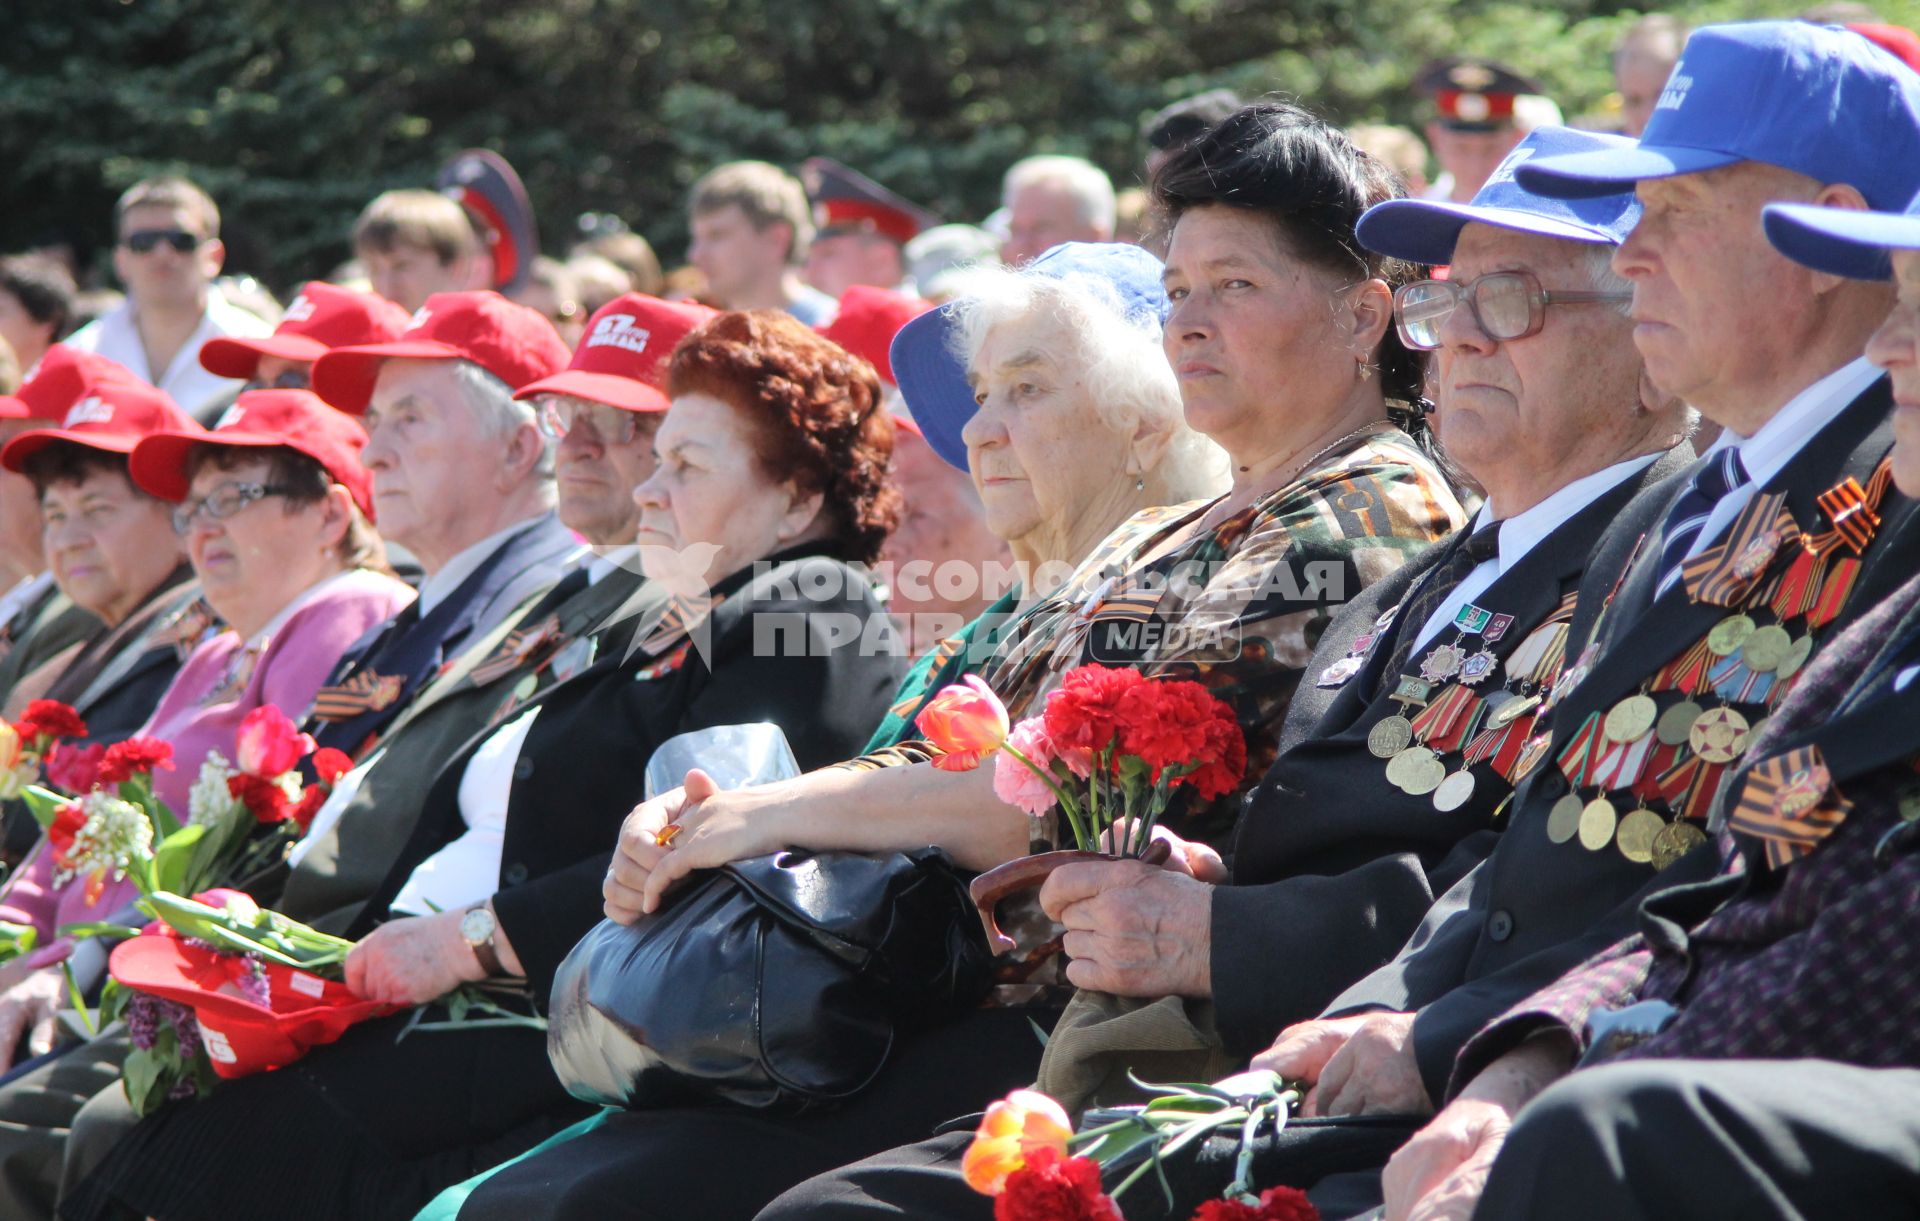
(558,417)
(1506,305)
(297,378)
(221,503)
(143,241)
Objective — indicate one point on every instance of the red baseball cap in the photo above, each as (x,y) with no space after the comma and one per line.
(515,344)
(58,382)
(323,317)
(868,320)
(262,419)
(242,1037)
(112,413)
(622,358)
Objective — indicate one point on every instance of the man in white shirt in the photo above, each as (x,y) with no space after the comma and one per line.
(167,253)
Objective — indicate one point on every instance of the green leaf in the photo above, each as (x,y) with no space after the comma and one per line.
(80,930)
(43,804)
(165,825)
(113,1000)
(174,860)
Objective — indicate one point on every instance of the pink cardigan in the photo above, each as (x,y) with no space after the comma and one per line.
(298,657)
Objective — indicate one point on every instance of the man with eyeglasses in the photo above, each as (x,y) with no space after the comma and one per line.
(1702,602)
(320,317)
(167,253)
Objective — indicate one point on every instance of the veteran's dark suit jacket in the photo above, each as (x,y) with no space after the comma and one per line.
(1333,866)
(43,629)
(348,860)
(1534,908)
(583,765)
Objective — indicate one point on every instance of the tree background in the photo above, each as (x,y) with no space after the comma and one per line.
(294,114)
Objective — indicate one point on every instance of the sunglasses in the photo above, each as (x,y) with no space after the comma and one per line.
(144,241)
(1506,305)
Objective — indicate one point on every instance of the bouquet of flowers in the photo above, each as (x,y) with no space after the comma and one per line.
(1023,1154)
(1110,749)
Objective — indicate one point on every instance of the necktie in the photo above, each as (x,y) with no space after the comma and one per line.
(1478,547)
(1689,513)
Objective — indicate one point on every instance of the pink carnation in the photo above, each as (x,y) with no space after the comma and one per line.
(1013,781)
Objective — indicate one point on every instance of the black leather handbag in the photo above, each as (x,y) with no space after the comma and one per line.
(777,982)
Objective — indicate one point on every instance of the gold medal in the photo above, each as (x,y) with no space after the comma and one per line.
(1390,736)
(1416,771)
(1729,634)
(1676,721)
(1629,720)
(1636,835)
(1597,821)
(1718,736)
(1797,654)
(1766,648)
(1563,821)
(1511,710)
(1455,791)
(1675,840)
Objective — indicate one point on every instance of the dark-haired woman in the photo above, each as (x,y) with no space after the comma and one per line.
(773,478)
(1280,337)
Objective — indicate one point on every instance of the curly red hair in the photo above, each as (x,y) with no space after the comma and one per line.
(815,416)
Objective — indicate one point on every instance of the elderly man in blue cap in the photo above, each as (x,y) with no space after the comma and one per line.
(1701,605)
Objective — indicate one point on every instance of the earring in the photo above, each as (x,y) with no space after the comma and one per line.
(1364,369)
(1140,484)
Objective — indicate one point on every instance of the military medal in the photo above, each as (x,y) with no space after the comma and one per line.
(1729,634)
(1563,820)
(1636,834)
(1472,620)
(1676,723)
(1455,791)
(1631,718)
(1389,736)
(1766,648)
(1441,663)
(1718,736)
(1340,671)
(1674,841)
(1478,667)
(1510,709)
(1597,821)
(1796,656)
(1416,771)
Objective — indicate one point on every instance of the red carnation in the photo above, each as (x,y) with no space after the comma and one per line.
(1276,1204)
(134,756)
(50,717)
(1226,760)
(330,764)
(75,768)
(311,799)
(67,821)
(1052,1188)
(1166,723)
(1086,711)
(264,799)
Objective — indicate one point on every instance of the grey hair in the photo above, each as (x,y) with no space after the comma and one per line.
(1089,185)
(498,411)
(1118,350)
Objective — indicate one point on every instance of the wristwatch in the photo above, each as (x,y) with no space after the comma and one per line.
(477,926)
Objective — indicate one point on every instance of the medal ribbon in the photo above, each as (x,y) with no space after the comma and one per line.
(1622,763)
(364,692)
(1724,573)
(1576,758)
(1734,681)
(1854,513)
(1437,718)
(1834,592)
(1788,804)
(517,649)
(1507,750)
(1685,672)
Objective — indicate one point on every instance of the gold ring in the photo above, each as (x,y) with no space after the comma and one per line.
(664,836)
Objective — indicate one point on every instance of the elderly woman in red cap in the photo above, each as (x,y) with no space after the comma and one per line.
(296,580)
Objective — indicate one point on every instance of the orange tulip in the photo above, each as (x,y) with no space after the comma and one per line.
(1015,1128)
(966,721)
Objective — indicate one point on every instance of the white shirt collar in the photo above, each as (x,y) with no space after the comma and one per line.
(440,586)
(1523,531)
(1781,438)
(605,562)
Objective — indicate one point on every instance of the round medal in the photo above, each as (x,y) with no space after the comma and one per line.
(1909,805)
(1416,771)
(1676,721)
(1636,835)
(1563,821)
(1797,654)
(1597,821)
(1455,791)
(1511,710)
(525,688)
(1629,720)
(1766,648)
(1729,634)
(1441,664)
(1390,736)
(1756,555)
(1675,840)
(1718,736)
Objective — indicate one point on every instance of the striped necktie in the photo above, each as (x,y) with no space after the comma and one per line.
(1689,514)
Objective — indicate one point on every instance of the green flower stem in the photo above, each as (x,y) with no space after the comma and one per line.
(1067,804)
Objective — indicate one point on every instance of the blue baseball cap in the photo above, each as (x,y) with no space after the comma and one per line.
(1842,241)
(1425,230)
(1818,100)
(930,372)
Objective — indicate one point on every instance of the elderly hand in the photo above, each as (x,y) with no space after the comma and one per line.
(28,1008)
(1356,1065)
(716,828)
(1134,929)
(414,960)
(638,851)
(1190,857)
(1440,1173)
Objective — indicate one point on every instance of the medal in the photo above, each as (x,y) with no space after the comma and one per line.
(1497,628)
(1509,710)
(1677,722)
(1718,736)
(1442,663)
(1631,718)
(1563,821)
(1390,736)
(1416,771)
(1471,620)
(1531,753)
(1637,832)
(1766,648)
(1478,667)
(1455,791)
(1729,634)
(1674,841)
(1340,671)
(1597,821)
(1796,656)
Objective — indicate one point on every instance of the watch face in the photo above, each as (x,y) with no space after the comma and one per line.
(477,926)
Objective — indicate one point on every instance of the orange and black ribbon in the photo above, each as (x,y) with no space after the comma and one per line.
(1853,511)
(1789,803)
(364,692)
(1725,573)
(521,647)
